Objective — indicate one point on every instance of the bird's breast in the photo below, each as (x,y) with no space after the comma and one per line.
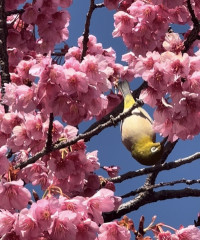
(135,127)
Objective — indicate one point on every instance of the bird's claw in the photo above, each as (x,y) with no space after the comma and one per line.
(139,101)
(113,120)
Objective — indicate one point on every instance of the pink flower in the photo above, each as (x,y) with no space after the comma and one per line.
(6,221)
(111,4)
(57,130)
(30,14)
(62,166)
(13,195)
(23,69)
(70,132)
(33,172)
(173,43)
(75,81)
(20,137)
(74,113)
(123,23)
(112,231)
(4,162)
(112,170)
(164,236)
(65,3)
(97,71)
(189,233)
(92,162)
(34,127)
(87,230)
(26,225)
(43,211)
(75,205)
(102,201)
(92,184)
(63,226)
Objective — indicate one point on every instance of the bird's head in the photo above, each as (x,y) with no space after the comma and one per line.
(147,153)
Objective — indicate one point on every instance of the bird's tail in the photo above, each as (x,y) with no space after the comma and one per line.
(124,88)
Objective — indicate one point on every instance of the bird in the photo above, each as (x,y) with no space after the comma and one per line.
(137,132)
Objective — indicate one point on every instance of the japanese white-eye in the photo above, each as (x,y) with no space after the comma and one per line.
(137,132)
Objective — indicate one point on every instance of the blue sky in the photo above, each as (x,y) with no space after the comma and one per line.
(111,151)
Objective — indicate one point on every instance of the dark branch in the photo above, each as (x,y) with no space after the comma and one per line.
(5,76)
(162,184)
(112,121)
(49,134)
(146,198)
(87,29)
(16,11)
(194,34)
(160,167)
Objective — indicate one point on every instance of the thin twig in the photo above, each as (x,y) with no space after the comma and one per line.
(99,5)
(49,134)
(162,184)
(87,29)
(160,167)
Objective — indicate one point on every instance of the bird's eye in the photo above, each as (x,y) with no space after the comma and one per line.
(154,149)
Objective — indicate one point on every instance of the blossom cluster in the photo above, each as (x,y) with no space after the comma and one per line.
(51,25)
(173,87)
(189,233)
(80,89)
(74,91)
(143,24)
(158,57)
(60,218)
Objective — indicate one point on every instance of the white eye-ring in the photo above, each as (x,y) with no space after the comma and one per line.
(154,149)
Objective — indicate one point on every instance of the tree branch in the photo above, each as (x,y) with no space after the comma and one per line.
(146,198)
(162,184)
(100,5)
(49,134)
(16,11)
(5,76)
(112,121)
(194,34)
(87,29)
(160,167)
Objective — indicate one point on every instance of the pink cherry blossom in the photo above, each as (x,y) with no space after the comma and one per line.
(14,195)
(102,201)
(4,162)
(6,221)
(43,211)
(75,81)
(112,231)
(63,226)
(165,236)
(112,170)
(189,233)
(87,230)
(111,4)
(26,225)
